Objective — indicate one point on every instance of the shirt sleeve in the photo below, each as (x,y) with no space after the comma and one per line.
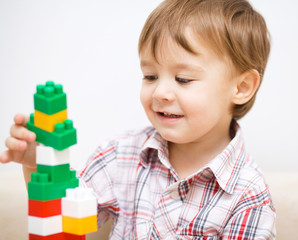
(98,175)
(251,224)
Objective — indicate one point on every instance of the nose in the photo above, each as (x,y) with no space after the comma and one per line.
(164,91)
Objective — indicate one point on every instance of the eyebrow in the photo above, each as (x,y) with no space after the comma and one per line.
(145,63)
(188,67)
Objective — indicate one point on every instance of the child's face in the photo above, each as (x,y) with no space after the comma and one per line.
(187,97)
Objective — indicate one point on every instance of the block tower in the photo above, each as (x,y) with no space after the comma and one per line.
(58,209)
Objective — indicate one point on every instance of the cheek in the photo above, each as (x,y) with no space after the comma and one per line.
(144,97)
(204,103)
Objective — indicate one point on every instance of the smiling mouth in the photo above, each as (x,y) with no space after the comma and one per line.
(169,115)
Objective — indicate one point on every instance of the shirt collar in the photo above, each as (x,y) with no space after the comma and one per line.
(225,167)
(155,141)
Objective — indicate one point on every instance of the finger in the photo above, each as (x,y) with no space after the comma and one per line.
(15,144)
(4,157)
(9,156)
(22,133)
(21,119)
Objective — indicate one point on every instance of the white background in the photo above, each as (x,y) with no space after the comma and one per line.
(91,48)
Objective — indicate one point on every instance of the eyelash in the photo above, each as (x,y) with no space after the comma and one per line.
(183,80)
(150,77)
(179,80)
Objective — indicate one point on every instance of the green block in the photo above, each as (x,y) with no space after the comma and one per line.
(63,136)
(50,98)
(58,173)
(40,188)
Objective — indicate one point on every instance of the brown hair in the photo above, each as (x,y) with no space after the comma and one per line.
(231,27)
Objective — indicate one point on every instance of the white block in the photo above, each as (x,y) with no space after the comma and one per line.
(79,203)
(45,226)
(51,157)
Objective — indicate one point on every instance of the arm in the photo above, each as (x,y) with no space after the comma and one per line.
(21,146)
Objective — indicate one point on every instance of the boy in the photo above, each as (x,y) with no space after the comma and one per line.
(188,176)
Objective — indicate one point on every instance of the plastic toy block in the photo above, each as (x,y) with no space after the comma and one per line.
(79,226)
(51,157)
(44,208)
(79,203)
(47,122)
(58,236)
(49,98)
(58,173)
(63,137)
(45,226)
(40,188)
(69,236)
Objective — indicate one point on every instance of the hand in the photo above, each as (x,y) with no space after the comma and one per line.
(21,144)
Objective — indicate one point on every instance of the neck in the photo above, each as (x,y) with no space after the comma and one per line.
(187,158)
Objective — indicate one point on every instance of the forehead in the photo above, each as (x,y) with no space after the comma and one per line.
(167,47)
(170,54)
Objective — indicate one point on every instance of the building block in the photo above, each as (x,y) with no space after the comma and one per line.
(58,173)
(57,236)
(45,226)
(40,188)
(64,136)
(53,177)
(79,203)
(79,226)
(47,122)
(44,208)
(69,236)
(51,157)
(50,98)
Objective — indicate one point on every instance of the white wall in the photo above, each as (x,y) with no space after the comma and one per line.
(271,128)
(90,47)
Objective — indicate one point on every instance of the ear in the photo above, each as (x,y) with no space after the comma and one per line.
(247,84)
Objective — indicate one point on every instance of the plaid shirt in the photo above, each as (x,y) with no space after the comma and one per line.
(135,184)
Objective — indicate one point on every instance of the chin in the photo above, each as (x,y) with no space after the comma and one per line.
(171,137)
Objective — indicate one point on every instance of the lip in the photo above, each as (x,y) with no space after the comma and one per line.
(168,119)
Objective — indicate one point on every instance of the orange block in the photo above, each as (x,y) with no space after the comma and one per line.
(47,122)
(79,226)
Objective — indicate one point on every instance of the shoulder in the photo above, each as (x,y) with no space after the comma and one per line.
(127,142)
(125,145)
(132,138)
(254,214)
(252,187)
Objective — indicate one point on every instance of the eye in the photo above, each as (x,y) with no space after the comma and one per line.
(150,77)
(183,80)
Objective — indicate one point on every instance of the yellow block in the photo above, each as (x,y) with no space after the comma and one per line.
(47,122)
(79,226)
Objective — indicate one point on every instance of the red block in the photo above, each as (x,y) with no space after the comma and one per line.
(69,236)
(58,236)
(48,208)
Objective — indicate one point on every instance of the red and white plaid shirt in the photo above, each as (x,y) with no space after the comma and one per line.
(135,184)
